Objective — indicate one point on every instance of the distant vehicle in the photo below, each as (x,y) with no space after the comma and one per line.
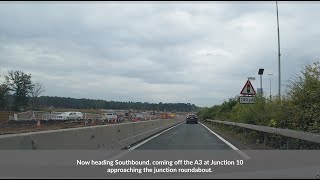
(138,117)
(192,118)
(109,116)
(122,118)
(61,116)
(75,115)
(69,116)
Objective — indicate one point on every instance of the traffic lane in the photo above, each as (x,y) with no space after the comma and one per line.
(186,137)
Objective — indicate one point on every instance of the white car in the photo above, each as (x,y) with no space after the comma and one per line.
(61,116)
(74,115)
(109,116)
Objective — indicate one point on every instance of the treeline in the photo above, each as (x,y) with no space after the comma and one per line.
(298,108)
(19,93)
(47,101)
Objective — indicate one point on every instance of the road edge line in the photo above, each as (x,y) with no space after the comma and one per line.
(152,137)
(143,142)
(228,143)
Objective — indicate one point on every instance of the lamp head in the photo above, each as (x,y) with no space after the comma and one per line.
(260,71)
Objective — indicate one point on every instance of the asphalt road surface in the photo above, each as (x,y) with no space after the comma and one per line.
(186,137)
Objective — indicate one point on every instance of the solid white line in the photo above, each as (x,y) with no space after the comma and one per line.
(137,145)
(228,143)
(154,136)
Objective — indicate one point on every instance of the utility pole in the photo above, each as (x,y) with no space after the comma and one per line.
(270,85)
(260,72)
(261,82)
(279,68)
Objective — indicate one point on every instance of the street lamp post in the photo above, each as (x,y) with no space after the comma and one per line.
(270,85)
(261,73)
(279,89)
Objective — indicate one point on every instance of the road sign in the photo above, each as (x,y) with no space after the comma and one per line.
(246,99)
(248,89)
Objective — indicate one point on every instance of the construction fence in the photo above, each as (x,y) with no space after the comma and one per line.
(43,115)
(33,116)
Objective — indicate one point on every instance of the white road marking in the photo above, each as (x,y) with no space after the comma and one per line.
(154,136)
(228,143)
(143,142)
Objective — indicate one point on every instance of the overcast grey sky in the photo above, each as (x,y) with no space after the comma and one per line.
(200,53)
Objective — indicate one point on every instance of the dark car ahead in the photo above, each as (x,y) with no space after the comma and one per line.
(192,118)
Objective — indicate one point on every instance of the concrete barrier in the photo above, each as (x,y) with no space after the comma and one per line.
(108,137)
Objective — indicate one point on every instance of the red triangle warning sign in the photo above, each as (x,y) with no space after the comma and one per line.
(248,89)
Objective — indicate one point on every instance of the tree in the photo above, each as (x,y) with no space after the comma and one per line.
(21,84)
(38,88)
(4,92)
(304,92)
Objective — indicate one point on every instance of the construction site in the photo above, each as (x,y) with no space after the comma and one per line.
(31,121)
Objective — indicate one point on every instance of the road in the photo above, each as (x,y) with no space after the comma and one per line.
(185,137)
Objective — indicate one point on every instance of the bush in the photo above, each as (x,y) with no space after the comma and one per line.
(299,107)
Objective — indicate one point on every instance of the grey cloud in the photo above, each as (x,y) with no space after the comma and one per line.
(198,52)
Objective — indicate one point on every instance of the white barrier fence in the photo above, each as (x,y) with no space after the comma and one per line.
(96,116)
(42,115)
(30,115)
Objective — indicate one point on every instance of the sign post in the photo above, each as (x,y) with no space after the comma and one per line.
(248,93)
